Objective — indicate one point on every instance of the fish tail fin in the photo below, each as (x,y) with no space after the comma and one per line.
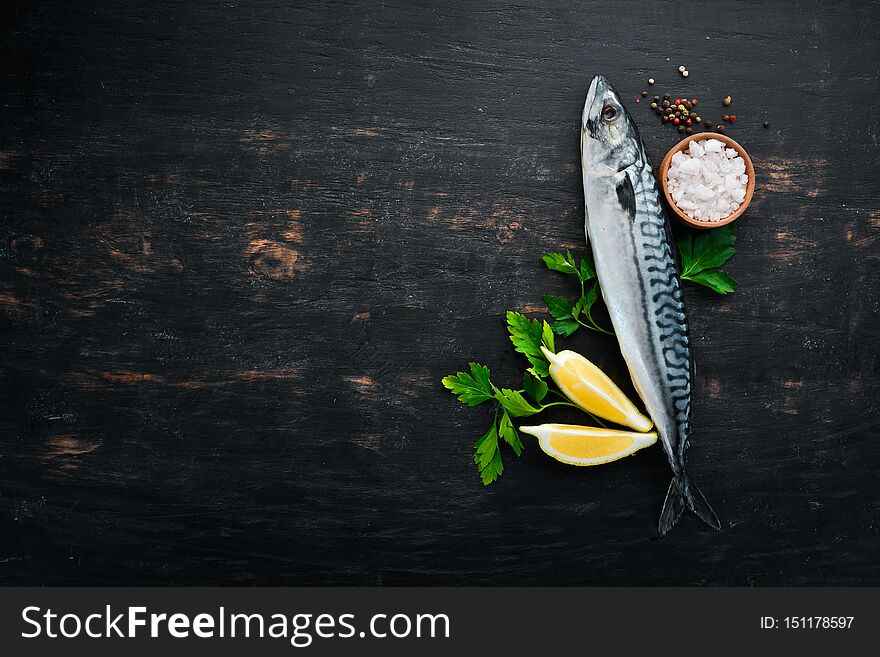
(683,493)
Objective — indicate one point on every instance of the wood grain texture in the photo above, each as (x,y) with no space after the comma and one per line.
(242,242)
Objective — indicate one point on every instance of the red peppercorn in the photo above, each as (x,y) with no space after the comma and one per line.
(688,122)
(677,101)
(676,121)
(733,118)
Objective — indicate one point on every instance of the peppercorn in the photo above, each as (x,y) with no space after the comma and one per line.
(693,101)
(684,74)
(727,100)
(650,80)
(689,130)
(676,101)
(644,94)
(681,69)
(665,104)
(688,122)
(697,119)
(766,124)
(664,118)
(676,120)
(733,118)
(678,115)
(681,128)
(680,107)
(719,128)
(685,113)
(653,105)
(689,105)
(708,126)
(725,118)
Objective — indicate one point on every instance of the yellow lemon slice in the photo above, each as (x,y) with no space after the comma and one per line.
(578,445)
(591,389)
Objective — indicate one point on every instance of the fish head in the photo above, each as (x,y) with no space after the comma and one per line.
(609,138)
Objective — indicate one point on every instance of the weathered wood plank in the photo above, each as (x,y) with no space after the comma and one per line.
(242,243)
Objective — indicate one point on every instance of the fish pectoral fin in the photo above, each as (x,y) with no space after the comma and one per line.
(626,196)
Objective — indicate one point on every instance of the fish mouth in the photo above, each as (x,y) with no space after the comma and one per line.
(599,87)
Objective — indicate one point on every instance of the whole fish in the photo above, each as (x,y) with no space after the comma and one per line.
(637,268)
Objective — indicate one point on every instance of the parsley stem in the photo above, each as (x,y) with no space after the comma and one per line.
(560,403)
(593,326)
(566,403)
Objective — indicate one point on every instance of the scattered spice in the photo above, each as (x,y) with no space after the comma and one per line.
(727,100)
(681,69)
(684,74)
(766,124)
(650,80)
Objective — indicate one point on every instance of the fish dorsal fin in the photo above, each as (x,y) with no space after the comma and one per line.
(626,196)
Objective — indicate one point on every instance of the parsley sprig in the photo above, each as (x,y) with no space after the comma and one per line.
(701,257)
(476,387)
(569,317)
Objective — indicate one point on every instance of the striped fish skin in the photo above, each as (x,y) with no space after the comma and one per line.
(632,246)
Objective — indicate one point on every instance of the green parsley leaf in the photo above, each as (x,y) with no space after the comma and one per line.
(534,387)
(705,253)
(589,299)
(587,270)
(487,457)
(508,432)
(514,403)
(715,279)
(547,338)
(558,307)
(472,389)
(527,335)
(565,327)
(561,263)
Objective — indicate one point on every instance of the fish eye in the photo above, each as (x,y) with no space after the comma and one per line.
(609,113)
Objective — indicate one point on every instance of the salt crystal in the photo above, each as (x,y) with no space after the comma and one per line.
(691,167)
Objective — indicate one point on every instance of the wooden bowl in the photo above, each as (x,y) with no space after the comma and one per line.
(681,214)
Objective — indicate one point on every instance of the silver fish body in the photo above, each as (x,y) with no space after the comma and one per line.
(633,249)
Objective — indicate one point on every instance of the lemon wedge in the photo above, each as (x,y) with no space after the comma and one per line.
(578,445)
(590,388)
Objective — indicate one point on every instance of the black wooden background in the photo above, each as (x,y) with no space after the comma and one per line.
(243,241)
